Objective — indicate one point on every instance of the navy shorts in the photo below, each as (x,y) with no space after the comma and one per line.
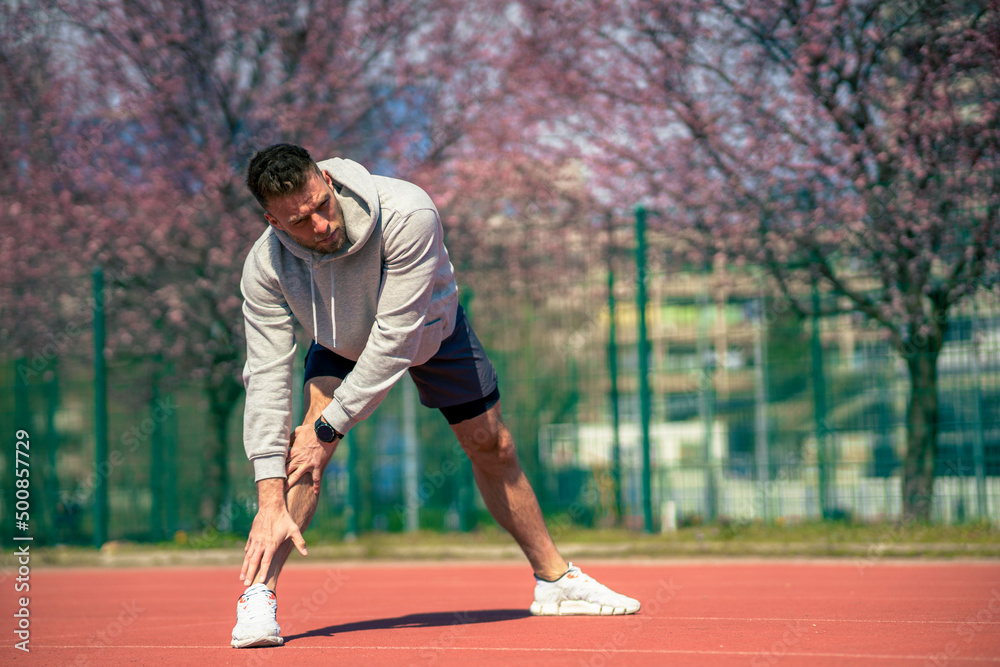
(458,380)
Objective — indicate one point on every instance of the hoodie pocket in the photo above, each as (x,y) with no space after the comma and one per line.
(430,341)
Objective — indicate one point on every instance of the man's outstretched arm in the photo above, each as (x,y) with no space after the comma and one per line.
(271,527)
(413,256)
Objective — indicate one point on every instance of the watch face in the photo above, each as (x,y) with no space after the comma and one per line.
(324,431)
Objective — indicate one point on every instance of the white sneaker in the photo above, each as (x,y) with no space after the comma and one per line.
(575,593)
(256,622)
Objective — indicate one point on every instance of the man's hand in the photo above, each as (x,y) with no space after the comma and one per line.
(271,527)
(307,453)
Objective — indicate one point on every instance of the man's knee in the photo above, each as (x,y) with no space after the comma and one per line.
(489,445)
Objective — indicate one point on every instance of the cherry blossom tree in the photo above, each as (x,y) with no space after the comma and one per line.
(851,142)
(134,123)
(36,211)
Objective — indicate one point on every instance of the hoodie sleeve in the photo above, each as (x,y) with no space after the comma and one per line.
(267,374)
(414,249)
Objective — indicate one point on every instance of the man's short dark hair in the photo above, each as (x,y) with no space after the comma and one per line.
(279,170)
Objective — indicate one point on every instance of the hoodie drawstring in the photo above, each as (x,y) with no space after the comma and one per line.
(312,297)
(312,300)
(333,312)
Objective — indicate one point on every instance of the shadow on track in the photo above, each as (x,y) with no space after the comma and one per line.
(431,620)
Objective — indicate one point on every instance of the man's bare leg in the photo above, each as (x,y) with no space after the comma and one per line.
(300,499)
(506,490)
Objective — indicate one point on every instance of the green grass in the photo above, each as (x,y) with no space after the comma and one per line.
(861,542)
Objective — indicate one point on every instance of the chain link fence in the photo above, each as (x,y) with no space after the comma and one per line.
(755,413)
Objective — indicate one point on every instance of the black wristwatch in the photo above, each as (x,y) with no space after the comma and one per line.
(325,432)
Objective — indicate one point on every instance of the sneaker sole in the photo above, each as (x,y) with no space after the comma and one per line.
(577,608)
(254,642)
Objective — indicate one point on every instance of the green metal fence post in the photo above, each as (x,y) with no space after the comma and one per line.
(616,448)
(51,445)
(819,405)
(643,343)
(978,450)
(761,448)
(706,395)
(170,442)
(101,468)
(411,459)
(467,512)
(353,486)
(156,526)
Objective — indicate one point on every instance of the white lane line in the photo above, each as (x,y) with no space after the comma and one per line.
(801,654)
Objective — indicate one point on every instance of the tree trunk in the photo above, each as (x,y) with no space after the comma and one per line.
(921,427)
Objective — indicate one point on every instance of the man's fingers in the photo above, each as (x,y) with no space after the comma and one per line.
(247,549)
(265,562)
(293,477)
(299,542)
(317,480)
(251,565)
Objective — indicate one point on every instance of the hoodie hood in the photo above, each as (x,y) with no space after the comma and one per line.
(357,195)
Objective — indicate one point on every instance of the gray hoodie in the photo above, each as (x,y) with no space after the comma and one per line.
(386,299)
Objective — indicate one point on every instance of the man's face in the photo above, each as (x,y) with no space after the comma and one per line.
(312,216)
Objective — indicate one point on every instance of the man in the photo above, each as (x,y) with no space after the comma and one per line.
(359,261)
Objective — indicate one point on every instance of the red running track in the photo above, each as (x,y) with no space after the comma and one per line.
(750,613)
